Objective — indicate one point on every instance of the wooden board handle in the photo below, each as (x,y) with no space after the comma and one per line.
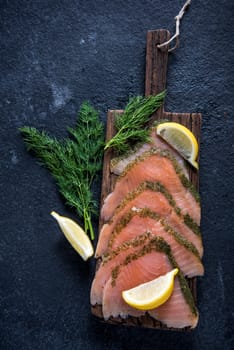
(156,62)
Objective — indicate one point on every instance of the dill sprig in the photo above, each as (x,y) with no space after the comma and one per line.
(132,125)
(74,162)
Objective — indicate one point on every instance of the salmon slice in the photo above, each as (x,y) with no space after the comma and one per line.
(174,313)
(119,164)
(111,260)
(134,223)
(155,197)
(155,166)
(152,261)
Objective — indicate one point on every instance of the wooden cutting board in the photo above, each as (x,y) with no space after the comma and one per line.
(155,82)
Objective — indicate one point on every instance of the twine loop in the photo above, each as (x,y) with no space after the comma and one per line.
(177,33)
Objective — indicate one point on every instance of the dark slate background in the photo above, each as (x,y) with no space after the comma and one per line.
(54,55)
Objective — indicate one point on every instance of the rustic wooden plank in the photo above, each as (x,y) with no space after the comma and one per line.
(155,82)
(108,179)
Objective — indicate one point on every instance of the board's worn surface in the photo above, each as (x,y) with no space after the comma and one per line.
(155,82)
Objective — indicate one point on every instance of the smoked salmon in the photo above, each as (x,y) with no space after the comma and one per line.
(111,260)
(154,165)
(154,196)
(150,225)
(152,260)
(136,222)
(119,164)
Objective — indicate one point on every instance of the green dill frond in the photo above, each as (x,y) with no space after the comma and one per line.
(74,162)
(132,125)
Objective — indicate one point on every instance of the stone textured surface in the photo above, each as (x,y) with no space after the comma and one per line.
(54,55)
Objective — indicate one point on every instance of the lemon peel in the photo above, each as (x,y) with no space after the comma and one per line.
(75,235)
(180,138)
(152,294)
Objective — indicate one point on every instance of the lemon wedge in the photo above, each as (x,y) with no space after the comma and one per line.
(152,294)
(180,138)
(75,235)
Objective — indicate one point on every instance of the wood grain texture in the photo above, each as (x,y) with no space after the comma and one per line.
(155,82)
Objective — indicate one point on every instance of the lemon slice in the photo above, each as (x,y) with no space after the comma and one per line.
(152,294)
(180,138)
(75,235)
